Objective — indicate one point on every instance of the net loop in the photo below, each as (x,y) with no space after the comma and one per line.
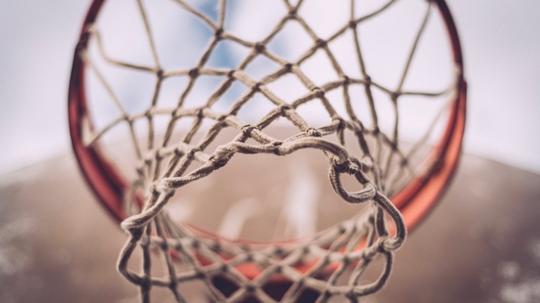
(366,194)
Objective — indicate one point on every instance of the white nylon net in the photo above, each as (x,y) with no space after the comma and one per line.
(332,264)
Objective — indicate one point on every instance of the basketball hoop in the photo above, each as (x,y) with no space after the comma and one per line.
(332,263)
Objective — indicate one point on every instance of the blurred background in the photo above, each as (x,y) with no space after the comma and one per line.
(499,39)
(492,256)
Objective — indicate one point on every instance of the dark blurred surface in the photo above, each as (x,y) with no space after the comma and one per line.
(482,244)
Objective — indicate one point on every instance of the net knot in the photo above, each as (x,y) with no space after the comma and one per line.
(248,129)
(224,268)
(195,244)
(278,251)
(147,160)
(199,112)
(403,162)
(163,244)
(192,151)
(146,282)
(221,119)
(162,187)
(194,72)
(313,132)
(130,120)
(160,73)
(249,257)
(283,108)
(257,86)
(220,157)
(388,244)
(339,165)
(276,145)
(145,242)
(368,80)
(215,246)
(288,67)
(149,114)
(250,287)
(178,152)
(218,34)
(346,260)
(199,274)
(259,47)
(218,162)
(356,166)
(339,122)
(395,95)
(292,13)
(358,125)
(132,228)
(367,163)
(326,294)
(320,43)
(139,170)
(317,91)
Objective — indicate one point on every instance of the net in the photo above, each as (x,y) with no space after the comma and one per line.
(332,265)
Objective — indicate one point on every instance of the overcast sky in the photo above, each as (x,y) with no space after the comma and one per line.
(501,43)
